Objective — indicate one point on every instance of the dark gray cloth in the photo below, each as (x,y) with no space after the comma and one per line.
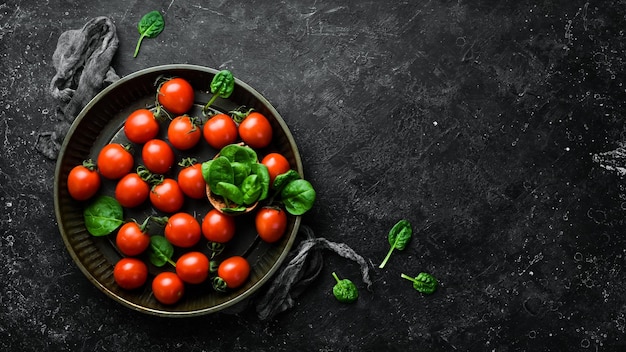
(82,60)
(300,271)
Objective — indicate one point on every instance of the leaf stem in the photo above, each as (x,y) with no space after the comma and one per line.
(404,276)
(382,265)
(138,45)
(336,277)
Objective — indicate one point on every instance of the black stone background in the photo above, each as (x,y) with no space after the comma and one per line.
(475,120)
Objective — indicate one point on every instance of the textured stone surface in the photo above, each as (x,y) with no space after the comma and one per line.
(476,121)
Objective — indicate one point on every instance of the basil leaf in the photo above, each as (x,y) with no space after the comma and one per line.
(161,251)
(298,196)
(150,25)
(103,215)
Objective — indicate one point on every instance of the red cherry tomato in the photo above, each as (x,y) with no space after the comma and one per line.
(276,164)
(193,267)
(157,156)
(176,95)
(218,227)
(183,230)
(141,126)
(271,224)
(192,182)
(220,131)
(255,130)
(130,273)
(183,133)
(131,190)
(83,181)
(167,196)
(167,287)
(234,271)
(115,161)
(131,239)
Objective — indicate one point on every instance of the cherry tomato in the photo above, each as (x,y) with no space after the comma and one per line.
(130,273)
(131,239)
(276,164)
(131,190)
(192,182)
(183,133)
(115,161)
(183,230)
(83,181)
(157,156)
(218,227)
(234,271)
(220,131)
(271,224)
(167,196)
(167,287)
(176,95)
(255,130)
(193,267)
(141,126)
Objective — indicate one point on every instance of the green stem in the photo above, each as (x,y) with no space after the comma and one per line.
(382,265)
(404,276)
(206,107)
(138,44)
(336,277)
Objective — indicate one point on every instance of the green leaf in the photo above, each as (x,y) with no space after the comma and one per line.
(161,251)
(398,237)
(218,170)
(298,196)
(264,178)
(230,192)
(251,189)
(345,291)
(150,26)
(283,179)
(103,215)
(239,153)
(223,84)
(423,282)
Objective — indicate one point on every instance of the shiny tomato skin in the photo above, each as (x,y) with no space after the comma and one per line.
(82,182)
(167,196)
(158,156)
(255,130)
(183,230)
(276,164)
(234,271)
(271,224)
(131,191)
(218,227)
(176,95)
(191,181)
(183,133)
(141,126)
(220,130)
(114,161)
(193,267)
(130,273)
(131,240)
(167,287)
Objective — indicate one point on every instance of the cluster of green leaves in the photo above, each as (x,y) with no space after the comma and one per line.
(237,176)
(296,193)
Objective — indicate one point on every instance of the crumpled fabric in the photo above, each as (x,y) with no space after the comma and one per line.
(82,60)
(613,160)
(303,268)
